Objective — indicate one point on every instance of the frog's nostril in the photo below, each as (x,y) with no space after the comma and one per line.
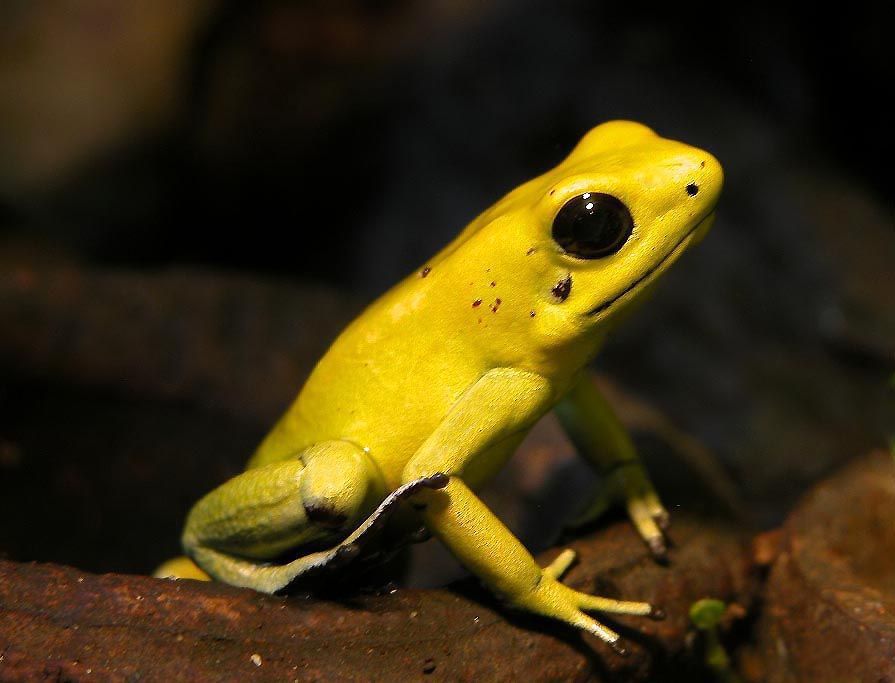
(692,189)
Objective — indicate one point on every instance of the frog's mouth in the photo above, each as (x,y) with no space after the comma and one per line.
(667,260)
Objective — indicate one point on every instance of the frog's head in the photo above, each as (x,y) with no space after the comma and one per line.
(610,219)
(554,262)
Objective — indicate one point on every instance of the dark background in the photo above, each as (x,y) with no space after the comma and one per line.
(340,144)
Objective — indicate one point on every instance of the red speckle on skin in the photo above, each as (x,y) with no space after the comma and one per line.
(425,271)
(476,303)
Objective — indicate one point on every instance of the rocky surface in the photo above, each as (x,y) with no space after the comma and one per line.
(830,598)
(63,624)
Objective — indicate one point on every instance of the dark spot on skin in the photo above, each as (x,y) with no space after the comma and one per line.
(418,506)
(476,303)
(701,164)
(531,314)
(480,321)
(692,189)
(493,284)
(495,305)
(428,666)
(530,251)
(425,271)
(325,515)
(562,288)
(552,192)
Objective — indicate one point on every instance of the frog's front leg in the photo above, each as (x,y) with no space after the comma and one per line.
(236,529)
(602,440)
(502,403)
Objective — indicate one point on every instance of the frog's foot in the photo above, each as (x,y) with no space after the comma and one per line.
(180,568)
(628,482)
(552,598)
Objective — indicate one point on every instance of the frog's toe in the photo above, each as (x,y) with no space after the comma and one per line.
(612,606)
(649,529)
(663,519)
(595,628)
(561,564)
(656,510)
(658,548)
(180,568)
(583,602)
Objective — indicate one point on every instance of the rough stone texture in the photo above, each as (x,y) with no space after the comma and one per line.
(830,597)
(59,623)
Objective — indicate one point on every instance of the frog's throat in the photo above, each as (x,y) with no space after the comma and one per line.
(670,256)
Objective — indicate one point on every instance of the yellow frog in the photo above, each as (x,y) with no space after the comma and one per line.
(429,391)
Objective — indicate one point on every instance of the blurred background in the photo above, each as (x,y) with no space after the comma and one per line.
(196,195)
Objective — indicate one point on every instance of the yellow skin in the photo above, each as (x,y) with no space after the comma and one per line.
(429,391)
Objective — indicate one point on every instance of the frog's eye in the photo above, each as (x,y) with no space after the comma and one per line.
(592,225)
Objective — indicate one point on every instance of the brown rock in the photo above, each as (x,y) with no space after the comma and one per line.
(58,622)
(830,602)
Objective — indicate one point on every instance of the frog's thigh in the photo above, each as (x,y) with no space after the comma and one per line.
(265,511)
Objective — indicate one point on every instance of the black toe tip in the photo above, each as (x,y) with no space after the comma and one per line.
(658,549)
(618,649)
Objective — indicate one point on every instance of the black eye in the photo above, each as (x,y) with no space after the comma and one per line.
(592,225)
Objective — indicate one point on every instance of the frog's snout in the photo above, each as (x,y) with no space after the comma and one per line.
(704,182)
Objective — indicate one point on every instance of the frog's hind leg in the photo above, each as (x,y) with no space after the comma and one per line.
(234,531)
(270,578)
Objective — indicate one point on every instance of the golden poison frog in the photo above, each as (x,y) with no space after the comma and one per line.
(422,398)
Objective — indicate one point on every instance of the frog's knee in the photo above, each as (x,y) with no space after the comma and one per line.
(180,568)
(340,484)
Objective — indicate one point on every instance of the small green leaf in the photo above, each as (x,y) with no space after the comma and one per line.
(706,613)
